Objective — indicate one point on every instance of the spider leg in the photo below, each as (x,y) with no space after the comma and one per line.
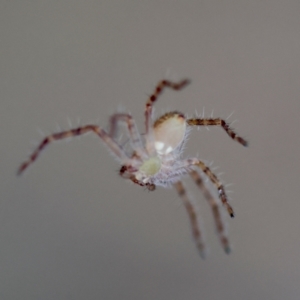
(158,90)
(188,163)
(191,210)
(112,145)
(215,209)
(218,122)
(134,135)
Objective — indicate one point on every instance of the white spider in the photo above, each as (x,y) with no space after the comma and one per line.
(156,159)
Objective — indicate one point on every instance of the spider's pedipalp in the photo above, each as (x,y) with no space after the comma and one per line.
(220,227)
(218,122)
(112,145)
(149,186)
(128,173)
(192,212)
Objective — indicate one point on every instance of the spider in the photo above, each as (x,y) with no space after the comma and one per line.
(155,159)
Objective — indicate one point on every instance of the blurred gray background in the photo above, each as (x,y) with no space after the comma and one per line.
(71,228)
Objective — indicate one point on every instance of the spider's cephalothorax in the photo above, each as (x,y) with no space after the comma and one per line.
(156,159)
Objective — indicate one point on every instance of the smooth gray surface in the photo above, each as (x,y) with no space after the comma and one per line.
(70,227)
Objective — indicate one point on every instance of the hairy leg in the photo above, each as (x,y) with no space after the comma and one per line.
(112,145)
(188,163)
(215,210)
(193,217)
(218,122)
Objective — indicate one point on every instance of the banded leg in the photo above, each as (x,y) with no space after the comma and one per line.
(193,217)
(187,164)
(215,209)
(158,90)
(112,145)
(218,122)
(134,135)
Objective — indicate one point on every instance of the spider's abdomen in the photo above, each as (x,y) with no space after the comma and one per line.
(169,131)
